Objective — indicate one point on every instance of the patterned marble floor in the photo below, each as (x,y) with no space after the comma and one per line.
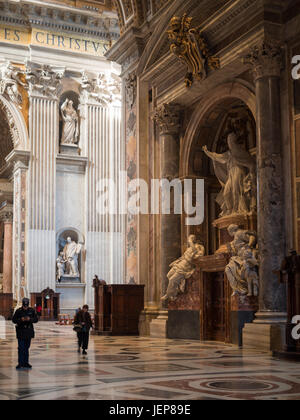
(135,368)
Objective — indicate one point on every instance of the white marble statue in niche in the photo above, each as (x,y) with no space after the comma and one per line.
(242,269)
(183,269)
(70,131)
(60,266)
(236,172)
(67,263)
(71,253)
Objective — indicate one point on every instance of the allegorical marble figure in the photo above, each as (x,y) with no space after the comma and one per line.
(183,269)
(242,269)
(70,132)
(236,172)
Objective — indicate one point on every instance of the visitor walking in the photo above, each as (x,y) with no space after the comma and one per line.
(24,318)
(83,323)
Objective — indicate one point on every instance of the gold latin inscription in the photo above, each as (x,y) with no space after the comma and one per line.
(58,41)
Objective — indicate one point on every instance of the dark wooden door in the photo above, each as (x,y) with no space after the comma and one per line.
(215,307)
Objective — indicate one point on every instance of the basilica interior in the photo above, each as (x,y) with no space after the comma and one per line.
(149,169)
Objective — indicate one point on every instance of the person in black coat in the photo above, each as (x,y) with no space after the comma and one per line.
(83,318)
(24,318)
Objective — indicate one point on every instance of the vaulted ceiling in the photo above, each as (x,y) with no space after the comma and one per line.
(136,12)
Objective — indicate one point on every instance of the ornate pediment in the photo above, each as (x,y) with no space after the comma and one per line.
(189,45)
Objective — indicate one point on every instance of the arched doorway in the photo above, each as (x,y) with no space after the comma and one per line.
(228,108)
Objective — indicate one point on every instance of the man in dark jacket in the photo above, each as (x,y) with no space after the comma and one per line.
(83,318)
(24,318)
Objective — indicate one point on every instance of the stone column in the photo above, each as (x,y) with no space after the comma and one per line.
(167,118)
(266,60)
(7,219)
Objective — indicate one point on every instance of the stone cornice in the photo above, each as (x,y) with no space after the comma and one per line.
(60,18)
(18,159)
(128,49)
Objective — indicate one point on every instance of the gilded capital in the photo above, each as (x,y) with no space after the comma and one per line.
(266,59)
(167,117)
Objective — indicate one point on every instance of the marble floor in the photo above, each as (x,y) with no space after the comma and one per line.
(135,368)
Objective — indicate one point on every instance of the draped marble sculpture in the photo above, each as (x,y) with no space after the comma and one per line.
(183,269)
(242,269)
(236,172)
(60,266)
(70,255)
(70,118)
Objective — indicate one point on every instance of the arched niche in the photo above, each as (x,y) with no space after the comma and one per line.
(232,103)
(209,113)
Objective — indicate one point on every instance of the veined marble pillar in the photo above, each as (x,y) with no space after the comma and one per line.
(19,162)
(7,219)
(266,60)
(167,118)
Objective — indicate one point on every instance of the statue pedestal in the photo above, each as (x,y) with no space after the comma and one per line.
(244,221)
(69,279)
(243,310)
(70,149)
(158,327)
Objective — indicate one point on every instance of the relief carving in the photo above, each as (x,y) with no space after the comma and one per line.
(9,83)
(104,89)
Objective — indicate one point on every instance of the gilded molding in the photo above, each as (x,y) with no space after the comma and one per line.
(189,45)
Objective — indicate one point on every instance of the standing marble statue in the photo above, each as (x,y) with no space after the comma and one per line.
(236,172)
(70,253)
(61,266)
(242,269)
(70,118)
(183,269)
